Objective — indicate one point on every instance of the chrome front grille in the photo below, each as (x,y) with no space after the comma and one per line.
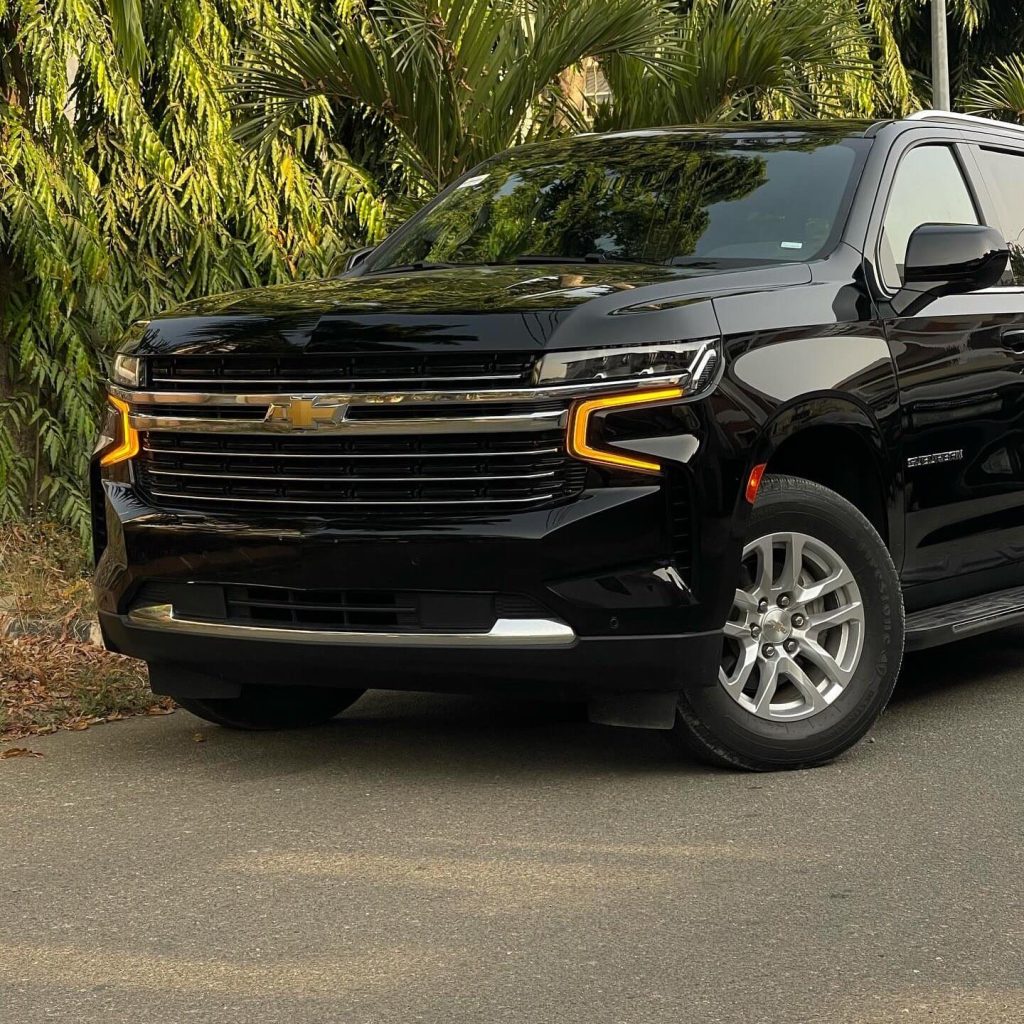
(331,434)
(341,373)
(495,471)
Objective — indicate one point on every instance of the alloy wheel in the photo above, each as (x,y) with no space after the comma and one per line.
(795,635)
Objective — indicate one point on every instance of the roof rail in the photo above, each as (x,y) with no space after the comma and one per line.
(949,115)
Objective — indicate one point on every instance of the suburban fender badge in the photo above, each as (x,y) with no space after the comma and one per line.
(305,413)
(934,459)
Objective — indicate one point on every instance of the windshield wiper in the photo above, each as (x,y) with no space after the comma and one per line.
(591,257)
(594,257)
(721,262)
(419,265)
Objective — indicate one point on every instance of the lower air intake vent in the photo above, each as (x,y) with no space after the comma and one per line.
(402,611)
(680,511)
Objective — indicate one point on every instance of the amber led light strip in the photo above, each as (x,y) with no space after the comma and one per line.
(582,413)
(128,446)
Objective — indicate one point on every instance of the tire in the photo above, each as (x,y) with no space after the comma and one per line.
(260,708)
(818,707)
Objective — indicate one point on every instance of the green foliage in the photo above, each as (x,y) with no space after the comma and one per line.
(750,59)
(122,191)
(981,34)
(455,80)
(999,90)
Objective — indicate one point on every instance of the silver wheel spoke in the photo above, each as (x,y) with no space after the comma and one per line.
(765,567)
(815,653)
(802,681)
(746,602)
(735,682)
(766,686)
(793,565)
(737,630)
(840,578)
(835,617)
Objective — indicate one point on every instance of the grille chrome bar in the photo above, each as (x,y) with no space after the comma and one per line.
(357,503)
(311,383)
(526,453)
(418,478)
(390,399)
(525,421)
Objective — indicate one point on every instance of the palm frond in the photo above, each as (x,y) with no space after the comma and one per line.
(999,91)
(742,59)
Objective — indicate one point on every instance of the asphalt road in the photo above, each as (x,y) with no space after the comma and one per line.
(447,860)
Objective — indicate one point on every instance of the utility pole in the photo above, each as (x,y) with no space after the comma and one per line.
(940,57)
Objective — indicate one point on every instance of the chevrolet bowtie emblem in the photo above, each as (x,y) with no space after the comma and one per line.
(305,413)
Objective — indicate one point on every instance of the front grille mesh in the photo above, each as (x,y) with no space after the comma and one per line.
(338,608)
(368,610)
(508,455)
(477,471)
(341,373)
(318,609)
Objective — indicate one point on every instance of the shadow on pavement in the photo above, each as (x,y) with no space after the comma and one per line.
(388,734)
(428,736)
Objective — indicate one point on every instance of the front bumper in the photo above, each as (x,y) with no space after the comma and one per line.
(204,665)
(621,612)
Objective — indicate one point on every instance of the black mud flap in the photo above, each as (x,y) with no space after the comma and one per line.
(634,710)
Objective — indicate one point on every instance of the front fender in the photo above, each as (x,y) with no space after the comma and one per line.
(801,417)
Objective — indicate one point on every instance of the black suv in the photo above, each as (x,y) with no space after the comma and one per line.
(703,426)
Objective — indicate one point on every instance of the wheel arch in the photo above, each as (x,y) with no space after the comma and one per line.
(838,443)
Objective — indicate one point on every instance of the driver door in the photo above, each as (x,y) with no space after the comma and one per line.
(960,368)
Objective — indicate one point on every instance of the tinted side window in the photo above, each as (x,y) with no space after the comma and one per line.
(928,188)
(1005,175)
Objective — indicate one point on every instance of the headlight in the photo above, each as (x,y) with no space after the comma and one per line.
(646,375)
(682,362)
(127,371)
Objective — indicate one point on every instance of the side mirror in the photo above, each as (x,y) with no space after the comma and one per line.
(948,259)
(359,256)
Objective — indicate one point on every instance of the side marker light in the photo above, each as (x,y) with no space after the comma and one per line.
(754,481)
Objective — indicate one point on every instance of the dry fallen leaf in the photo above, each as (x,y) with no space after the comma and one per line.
(78,724)
(51,678)
(18,752)
(198,737)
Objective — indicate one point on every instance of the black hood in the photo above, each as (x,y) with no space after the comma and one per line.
(500,308)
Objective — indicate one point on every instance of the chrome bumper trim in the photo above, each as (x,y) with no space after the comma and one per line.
(504,633)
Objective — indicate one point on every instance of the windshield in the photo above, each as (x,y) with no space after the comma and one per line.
(677,200)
